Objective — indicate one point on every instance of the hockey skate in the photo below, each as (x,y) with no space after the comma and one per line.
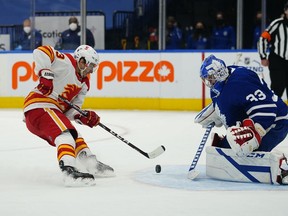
(95,167)
(283,177)
(74,178)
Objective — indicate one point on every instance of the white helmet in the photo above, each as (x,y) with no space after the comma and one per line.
(90,56)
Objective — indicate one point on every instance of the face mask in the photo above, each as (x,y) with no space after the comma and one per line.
(219,22)
(258,22)
(73,26)
(199,31)
(27,29)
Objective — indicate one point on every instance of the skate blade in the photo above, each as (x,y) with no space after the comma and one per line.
(104,174)
(80,182)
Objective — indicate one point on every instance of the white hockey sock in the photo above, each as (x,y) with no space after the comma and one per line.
(66,149)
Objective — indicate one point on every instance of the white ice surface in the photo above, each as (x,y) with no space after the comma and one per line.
(31,182)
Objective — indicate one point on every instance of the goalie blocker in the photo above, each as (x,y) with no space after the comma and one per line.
(260,167)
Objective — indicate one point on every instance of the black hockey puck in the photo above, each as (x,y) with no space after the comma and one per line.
(158,168)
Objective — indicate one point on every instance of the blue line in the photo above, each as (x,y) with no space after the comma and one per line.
(244,169)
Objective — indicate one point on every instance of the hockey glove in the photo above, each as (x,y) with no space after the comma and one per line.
(91,119)
(208,116)
(245,138)
(45,85)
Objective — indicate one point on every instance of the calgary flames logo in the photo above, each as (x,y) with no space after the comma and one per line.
(70,92)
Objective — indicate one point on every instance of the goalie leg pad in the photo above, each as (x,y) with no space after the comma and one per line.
(260,167)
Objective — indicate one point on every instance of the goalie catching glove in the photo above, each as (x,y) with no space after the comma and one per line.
(208,116)
(91,119)
(245,138)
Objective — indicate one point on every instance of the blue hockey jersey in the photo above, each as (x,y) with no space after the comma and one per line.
(245,95)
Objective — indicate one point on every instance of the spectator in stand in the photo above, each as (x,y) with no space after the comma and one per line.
(187,32)
(223,35)
(199,37)
(137,43)
(152,39)
(70,38)
(173,34)
(257,29)
(24,40)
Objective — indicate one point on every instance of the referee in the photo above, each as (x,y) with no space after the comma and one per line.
(275,37)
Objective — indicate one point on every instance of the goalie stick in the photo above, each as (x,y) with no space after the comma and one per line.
(192,173)
(158,151)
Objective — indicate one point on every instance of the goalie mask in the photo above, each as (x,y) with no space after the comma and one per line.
(90,57)
(213,73)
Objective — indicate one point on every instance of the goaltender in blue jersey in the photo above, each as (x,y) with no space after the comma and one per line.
(255,120)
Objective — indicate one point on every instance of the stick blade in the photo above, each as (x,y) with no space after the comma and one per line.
(156,152)
(192,174)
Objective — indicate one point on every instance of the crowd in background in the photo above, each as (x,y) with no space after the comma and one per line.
(69,39)
(191,24)
(221,35)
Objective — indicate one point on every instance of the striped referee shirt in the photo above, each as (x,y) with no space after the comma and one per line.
(275,36)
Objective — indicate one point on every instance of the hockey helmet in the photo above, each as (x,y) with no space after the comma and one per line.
(90,57)
(213,72)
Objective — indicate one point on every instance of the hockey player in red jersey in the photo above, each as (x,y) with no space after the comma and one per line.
(50,119)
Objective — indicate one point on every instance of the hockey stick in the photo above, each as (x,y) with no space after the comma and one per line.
(192,173)
(158,151)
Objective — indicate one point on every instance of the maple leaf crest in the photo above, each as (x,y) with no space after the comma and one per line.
(164,70)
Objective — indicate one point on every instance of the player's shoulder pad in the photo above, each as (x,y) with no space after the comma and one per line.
(48,50)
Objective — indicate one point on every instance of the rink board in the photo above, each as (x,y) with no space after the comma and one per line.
(136,80)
